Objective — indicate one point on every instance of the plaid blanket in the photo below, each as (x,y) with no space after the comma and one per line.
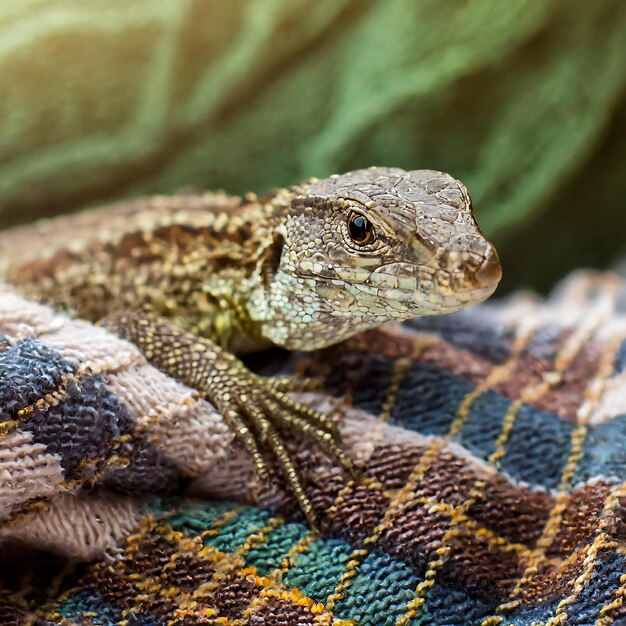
(492,487)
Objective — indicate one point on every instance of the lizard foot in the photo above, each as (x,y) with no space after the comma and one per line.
(261,415)
(256,409)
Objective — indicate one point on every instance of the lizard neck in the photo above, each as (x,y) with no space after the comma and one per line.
(293,313)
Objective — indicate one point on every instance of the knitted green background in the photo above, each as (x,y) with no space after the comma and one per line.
(522,99)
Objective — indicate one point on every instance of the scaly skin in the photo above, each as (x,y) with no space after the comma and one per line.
(194,279)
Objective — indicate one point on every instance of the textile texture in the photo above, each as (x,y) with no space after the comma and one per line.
(491,447)
(523,100)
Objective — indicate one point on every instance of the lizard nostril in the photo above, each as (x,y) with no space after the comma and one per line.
(490,272)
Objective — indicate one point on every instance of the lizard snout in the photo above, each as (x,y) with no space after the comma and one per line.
(490,271)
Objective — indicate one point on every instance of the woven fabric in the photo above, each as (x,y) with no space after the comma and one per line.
(492,488)
(522,100)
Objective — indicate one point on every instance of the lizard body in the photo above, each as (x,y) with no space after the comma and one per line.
(192,279)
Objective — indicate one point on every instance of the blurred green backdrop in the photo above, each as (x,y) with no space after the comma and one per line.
(524,100)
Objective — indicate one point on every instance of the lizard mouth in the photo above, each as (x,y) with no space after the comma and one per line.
(405,290)
(418,302)
(425,291)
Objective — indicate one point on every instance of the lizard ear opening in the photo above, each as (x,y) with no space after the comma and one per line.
(271,258)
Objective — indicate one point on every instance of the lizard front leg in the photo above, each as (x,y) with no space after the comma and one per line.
(256,409)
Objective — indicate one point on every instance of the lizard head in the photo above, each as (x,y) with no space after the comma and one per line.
(375,245)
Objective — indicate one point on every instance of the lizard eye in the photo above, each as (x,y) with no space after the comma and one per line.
(361,229)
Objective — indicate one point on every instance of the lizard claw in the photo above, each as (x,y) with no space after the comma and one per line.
(260,414)
(295,384)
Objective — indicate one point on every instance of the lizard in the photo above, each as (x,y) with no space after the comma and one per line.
(195,281)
